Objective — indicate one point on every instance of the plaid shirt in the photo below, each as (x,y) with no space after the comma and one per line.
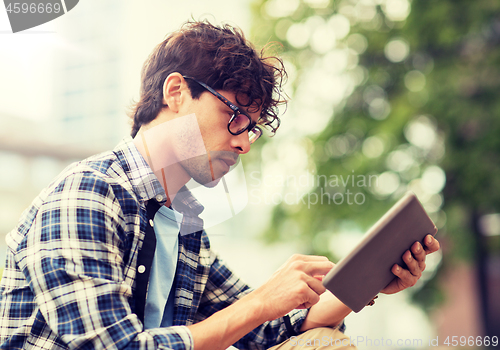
(71,266)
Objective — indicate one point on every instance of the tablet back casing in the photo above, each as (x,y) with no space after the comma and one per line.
(362,274)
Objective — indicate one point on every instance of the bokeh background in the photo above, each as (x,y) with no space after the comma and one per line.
(404,93)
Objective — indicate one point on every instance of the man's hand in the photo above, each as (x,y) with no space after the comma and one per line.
(414,259)
(293,286)
(297,284)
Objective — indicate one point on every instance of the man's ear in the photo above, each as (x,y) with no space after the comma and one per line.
(175,91)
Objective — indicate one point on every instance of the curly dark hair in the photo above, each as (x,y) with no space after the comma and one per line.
(220,57)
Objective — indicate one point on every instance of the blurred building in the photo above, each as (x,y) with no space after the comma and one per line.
(29,161)
(62,101)
(88,77)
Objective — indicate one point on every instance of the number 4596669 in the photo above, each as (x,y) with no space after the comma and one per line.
(25,7)
(471,341)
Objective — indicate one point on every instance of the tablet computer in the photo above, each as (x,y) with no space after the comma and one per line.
(366,270)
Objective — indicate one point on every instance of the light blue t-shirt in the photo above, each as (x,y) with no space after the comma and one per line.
(159,309)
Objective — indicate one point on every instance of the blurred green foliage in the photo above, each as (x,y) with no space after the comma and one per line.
(447,82)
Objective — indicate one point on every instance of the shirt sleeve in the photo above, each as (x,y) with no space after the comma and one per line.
(74,257)
(224,288)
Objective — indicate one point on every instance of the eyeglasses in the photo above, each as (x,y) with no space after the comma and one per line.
(240,121)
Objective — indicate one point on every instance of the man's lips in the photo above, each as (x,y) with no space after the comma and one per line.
(228,163)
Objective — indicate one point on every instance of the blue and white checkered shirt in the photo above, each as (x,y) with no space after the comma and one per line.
(70,273)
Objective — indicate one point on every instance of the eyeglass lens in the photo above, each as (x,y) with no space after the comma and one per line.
(239,123)
(254,134)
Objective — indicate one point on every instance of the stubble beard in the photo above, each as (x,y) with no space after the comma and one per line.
(198,168)
(203,169)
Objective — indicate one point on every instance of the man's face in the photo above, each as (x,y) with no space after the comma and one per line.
(222,148)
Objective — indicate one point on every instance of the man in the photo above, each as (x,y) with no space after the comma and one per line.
(112,254)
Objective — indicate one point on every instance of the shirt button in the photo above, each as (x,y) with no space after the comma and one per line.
(151,223)
(143,194)
(141,269)
(159,198)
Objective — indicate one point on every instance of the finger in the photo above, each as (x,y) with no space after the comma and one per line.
(312,298)
(297,261)
(317,268)
(306,305)
(419,255)
(301,257)
(412,264)
(431,244)
(316,285)
(311,268)
(319,277)
(307,297)
(406,279)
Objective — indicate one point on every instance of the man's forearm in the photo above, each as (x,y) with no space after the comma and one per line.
(293,286)
(227,326)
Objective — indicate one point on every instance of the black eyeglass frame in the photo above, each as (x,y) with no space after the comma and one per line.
(251,124)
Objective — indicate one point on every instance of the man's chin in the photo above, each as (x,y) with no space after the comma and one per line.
(212,184)
(206,181)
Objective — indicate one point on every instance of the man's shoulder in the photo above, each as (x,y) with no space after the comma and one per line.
(98,184)
(103,168)
(100,163)
(101,177)
(106,165)
(113,167)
